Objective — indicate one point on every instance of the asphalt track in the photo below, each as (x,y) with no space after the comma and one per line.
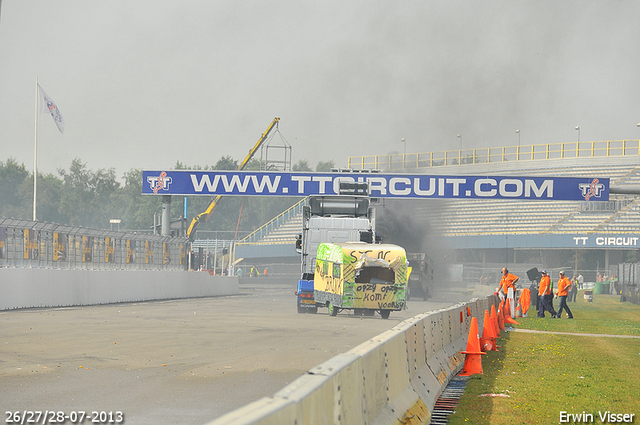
(181,361)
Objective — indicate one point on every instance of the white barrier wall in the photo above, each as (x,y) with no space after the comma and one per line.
(393,378)
(25,288)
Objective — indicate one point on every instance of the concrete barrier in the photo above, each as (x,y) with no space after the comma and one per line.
(393,378)
(27,288)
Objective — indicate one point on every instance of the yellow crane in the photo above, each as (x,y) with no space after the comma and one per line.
(204,216)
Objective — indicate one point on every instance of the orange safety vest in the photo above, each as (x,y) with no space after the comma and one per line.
(507,282)
(564,285)
(545,286)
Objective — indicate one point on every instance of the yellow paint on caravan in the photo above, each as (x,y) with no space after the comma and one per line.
(365,276)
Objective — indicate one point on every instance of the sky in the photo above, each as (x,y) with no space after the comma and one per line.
(143,84)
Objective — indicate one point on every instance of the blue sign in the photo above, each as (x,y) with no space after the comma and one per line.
(415,186)
(549,241)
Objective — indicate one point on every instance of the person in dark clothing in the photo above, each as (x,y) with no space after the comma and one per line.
(573,292)
(543,293)
(564,285)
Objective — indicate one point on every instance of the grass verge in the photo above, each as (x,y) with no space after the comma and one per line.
(545,374)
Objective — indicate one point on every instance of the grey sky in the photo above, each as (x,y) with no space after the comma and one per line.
(144,83)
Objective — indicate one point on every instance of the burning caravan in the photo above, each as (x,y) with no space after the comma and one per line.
(362,277)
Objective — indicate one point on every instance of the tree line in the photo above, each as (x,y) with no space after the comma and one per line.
(79,196)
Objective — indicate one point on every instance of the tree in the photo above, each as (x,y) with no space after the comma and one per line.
(226,163)
(85,196)
(302,165)
(49,191)
(180,166)
(253,164)
(135,209)
(12,201)
(325,166)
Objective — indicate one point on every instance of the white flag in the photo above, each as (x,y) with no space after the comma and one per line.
(48,105)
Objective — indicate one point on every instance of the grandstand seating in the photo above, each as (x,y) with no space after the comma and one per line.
(483,217)
(286,232)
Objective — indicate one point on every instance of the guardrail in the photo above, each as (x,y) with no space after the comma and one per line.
(395,377)
(500,154)
(36,244)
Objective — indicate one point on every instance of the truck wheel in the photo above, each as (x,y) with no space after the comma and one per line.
(358,312)
(300,310)
(385,313)
(408,292)
(332,310)
(313,310)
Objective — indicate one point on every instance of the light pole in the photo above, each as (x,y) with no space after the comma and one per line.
(460,137)
(405,145)
(518,133)
(578,130)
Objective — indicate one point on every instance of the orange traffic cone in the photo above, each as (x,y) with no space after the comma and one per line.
(488,339)
(496,327)
(473,359)
(501,318)
(494,319)
(501,315)
(518,310)
(507,314)
(525,300)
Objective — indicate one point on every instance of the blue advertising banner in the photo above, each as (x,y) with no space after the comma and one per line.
(420,186)
(547,241)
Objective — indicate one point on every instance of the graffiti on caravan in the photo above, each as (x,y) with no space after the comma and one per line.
(259,183)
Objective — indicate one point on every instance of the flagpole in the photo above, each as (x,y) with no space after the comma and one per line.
(35,156)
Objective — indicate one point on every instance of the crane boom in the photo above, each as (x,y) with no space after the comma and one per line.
(204,216)
(259,143)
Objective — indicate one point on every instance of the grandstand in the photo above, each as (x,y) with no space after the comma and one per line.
(499,217)
(480,224)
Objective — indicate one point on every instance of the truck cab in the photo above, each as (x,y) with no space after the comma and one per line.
(330,219)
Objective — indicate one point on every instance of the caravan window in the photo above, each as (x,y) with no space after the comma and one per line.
(375,275)
(336,270)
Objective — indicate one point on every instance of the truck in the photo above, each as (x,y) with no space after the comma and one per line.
(331,218)
(421,276)
(359,276)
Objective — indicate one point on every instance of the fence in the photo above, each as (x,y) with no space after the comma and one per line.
(491,273)
(500,154)
(628,279)
(35,244)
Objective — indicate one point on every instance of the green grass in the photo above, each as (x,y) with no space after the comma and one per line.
(605,315)
(544,374)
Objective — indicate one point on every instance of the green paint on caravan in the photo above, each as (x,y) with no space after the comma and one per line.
(330,252)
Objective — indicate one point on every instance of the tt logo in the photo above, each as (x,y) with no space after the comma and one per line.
(591,189)
(160,182)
